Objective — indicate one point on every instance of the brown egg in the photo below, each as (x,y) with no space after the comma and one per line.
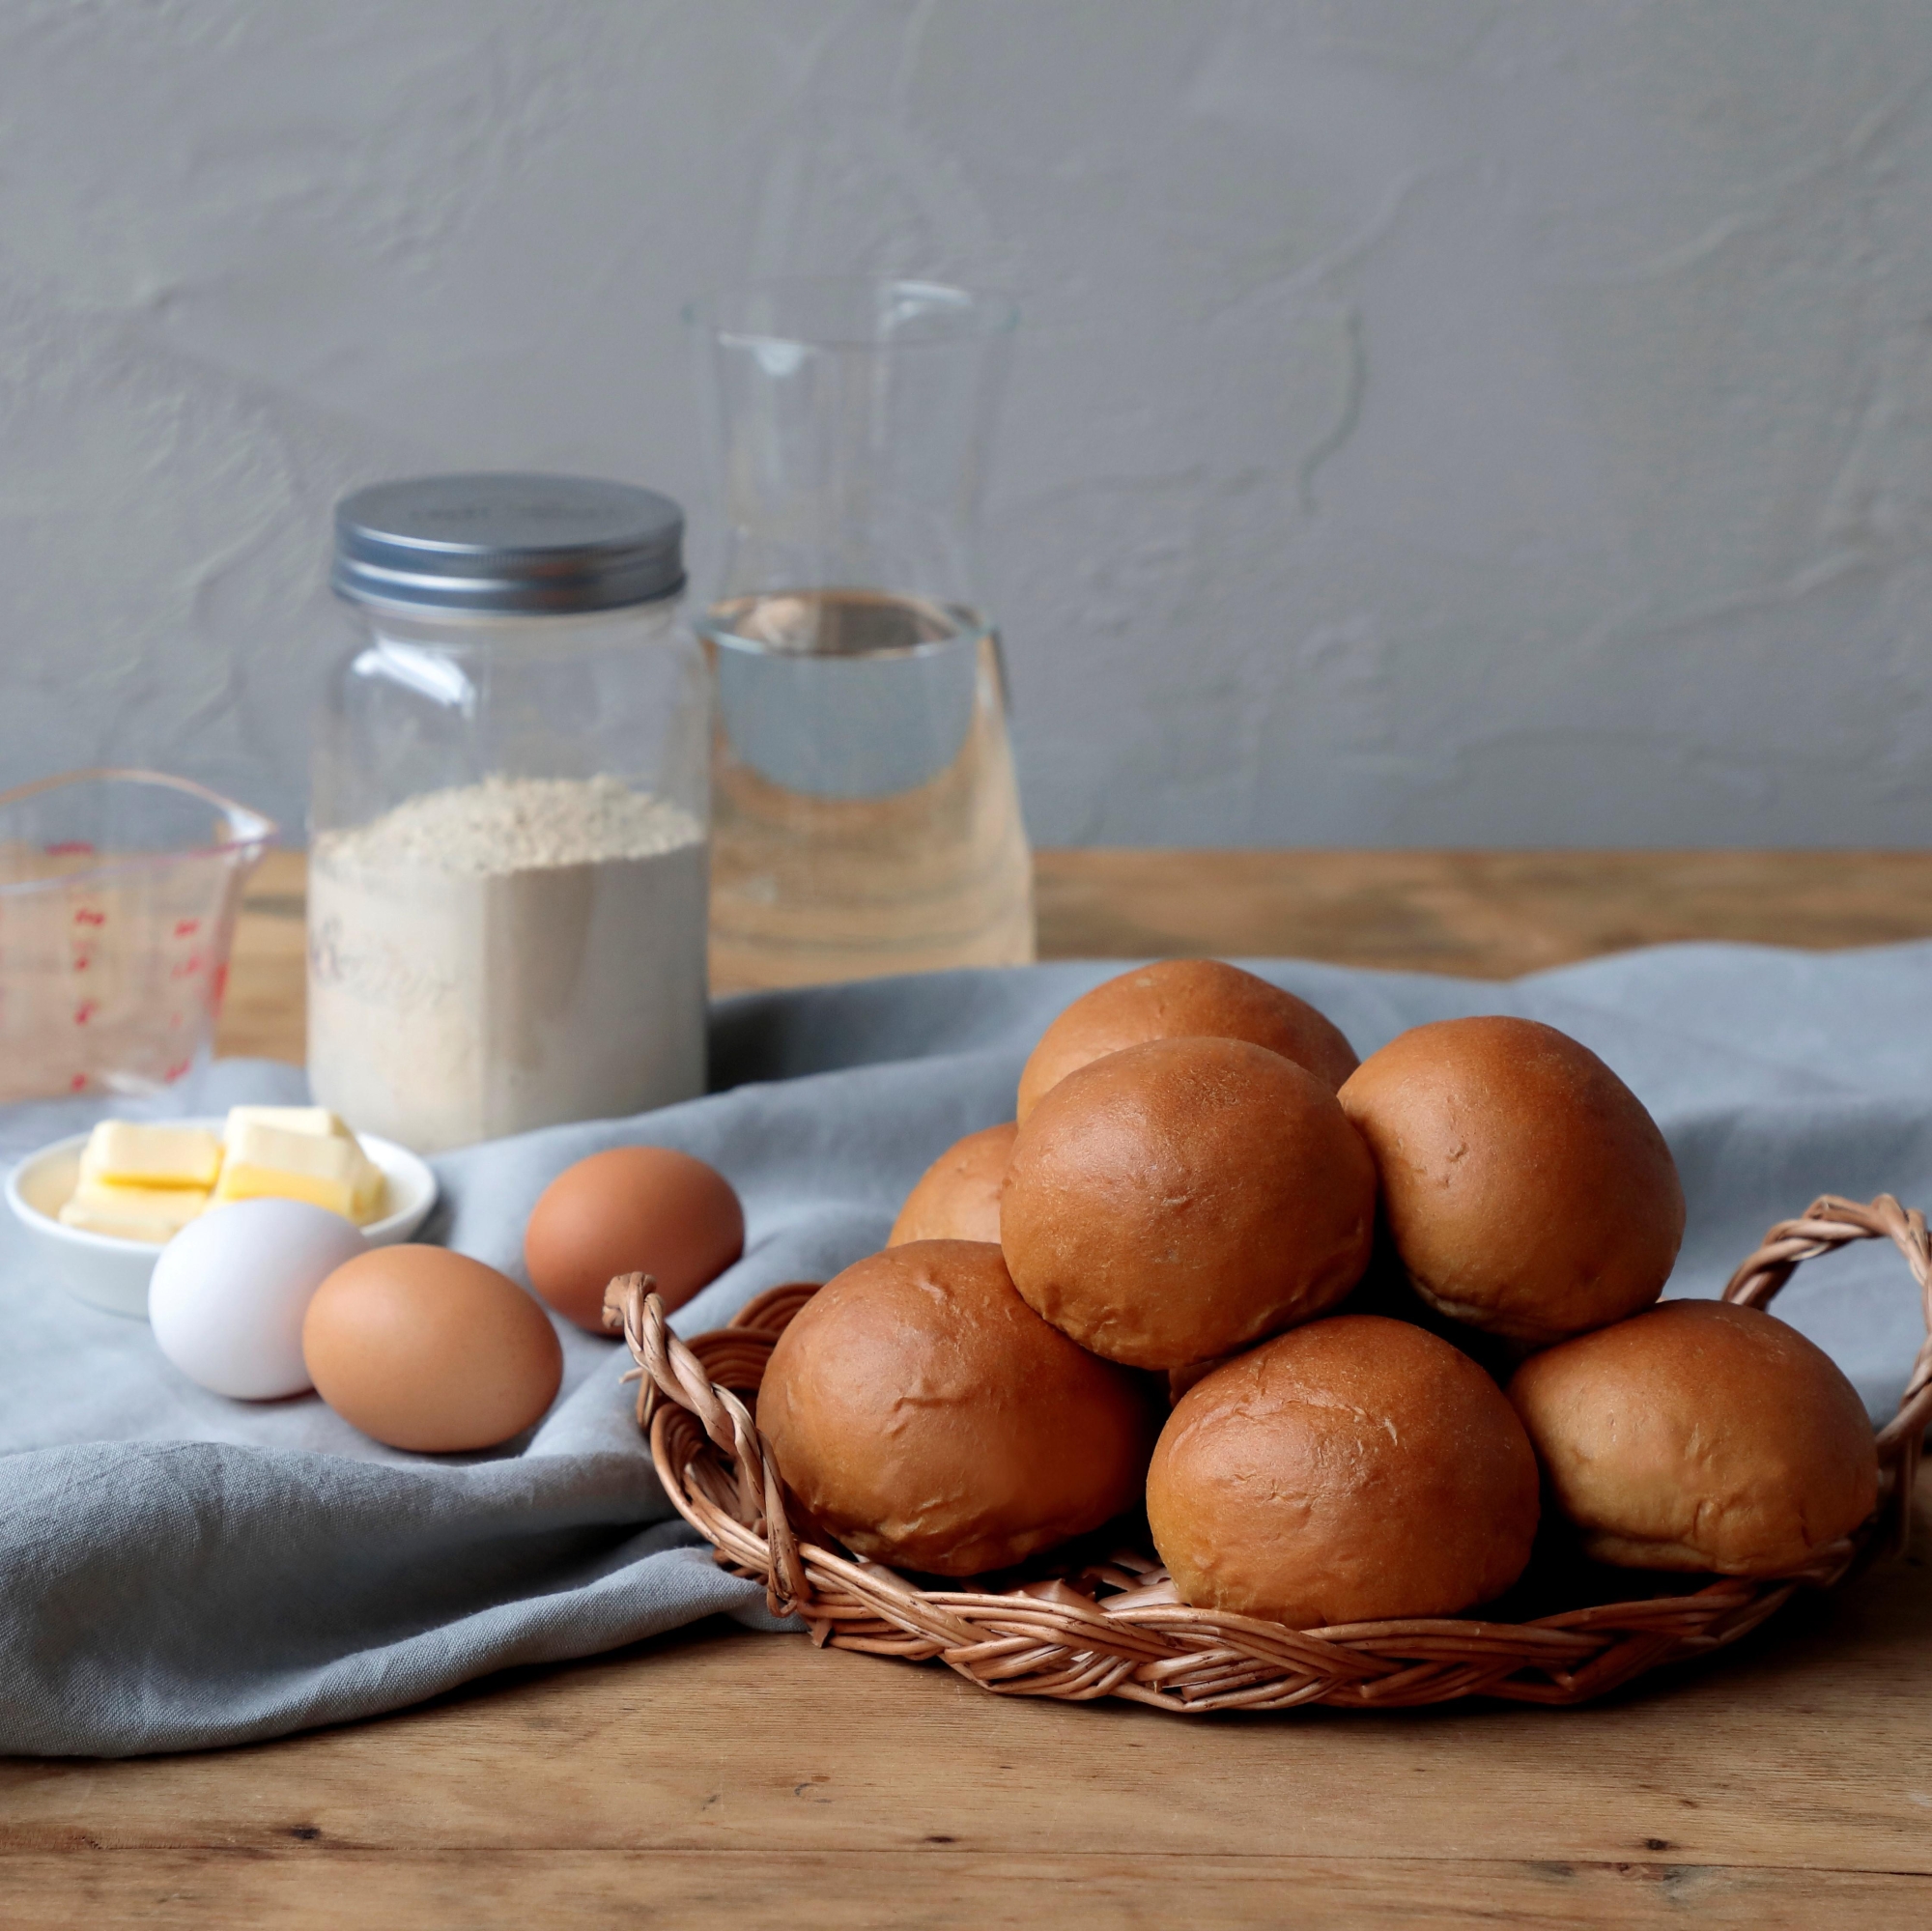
(430,1351)
(1177,999)
(631,1211)
(957,1198)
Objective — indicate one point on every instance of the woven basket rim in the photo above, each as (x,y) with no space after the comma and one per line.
(1111,1626)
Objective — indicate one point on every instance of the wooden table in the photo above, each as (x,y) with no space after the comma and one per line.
(1481,915)
(714,1777)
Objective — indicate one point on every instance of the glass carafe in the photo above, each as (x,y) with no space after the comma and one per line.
(866,817)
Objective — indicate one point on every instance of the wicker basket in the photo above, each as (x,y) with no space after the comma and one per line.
(1102,1621)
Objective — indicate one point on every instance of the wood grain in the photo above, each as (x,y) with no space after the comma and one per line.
(1482,914)
(708,1777)
(497,1890)
(264,1015)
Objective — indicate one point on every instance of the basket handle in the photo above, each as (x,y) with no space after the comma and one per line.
(669,1371)
(1829,1223)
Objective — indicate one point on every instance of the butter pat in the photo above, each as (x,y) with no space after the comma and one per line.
(128,1153)
(322,1169)
(316,1121)
(132,1213)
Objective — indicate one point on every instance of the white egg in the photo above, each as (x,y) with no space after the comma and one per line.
(230,1291)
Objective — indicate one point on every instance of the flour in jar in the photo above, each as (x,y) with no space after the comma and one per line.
(503,955)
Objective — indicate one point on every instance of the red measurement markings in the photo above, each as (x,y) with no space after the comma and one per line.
(218,988)
(84,916)
(79,1083)
(190,967)
(185,928)
(85,1011)
(66,847)
(175,1072)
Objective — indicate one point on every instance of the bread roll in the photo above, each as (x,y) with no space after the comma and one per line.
(1526,1190)
(1700,1435)
(957,1198)
(1182,1199)
(1185,999)
(1386,1290)
(1352,1469)
(921,1411)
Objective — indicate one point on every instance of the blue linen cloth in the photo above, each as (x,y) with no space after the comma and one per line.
(177,1570)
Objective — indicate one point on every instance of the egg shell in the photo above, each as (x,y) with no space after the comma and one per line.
(431,1351)
(230,1291)
(631,1211)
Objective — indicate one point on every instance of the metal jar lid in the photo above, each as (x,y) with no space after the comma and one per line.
(509,543)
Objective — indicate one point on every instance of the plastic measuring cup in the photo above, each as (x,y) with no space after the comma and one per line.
(117,895)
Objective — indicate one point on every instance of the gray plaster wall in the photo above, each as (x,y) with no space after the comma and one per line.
(1436,421)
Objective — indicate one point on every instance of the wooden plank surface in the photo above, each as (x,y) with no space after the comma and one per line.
(911,1891)
(715,1780)
(263,1014)
(1482,914)
(718,1778)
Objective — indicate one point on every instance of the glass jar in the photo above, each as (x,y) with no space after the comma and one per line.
(508,854)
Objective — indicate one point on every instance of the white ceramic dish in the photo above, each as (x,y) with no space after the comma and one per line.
(113,1274)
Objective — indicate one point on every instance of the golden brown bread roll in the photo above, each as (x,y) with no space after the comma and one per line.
(1185,999)
(1178,1200)
(1352,1469)
(921,1411)
(1526,1190)
(957,1198)
(1700,1435)
(1387,1291)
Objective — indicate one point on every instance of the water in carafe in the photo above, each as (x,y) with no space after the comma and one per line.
(865,817)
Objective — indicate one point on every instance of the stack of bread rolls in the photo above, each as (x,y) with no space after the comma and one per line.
(1348,1332)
